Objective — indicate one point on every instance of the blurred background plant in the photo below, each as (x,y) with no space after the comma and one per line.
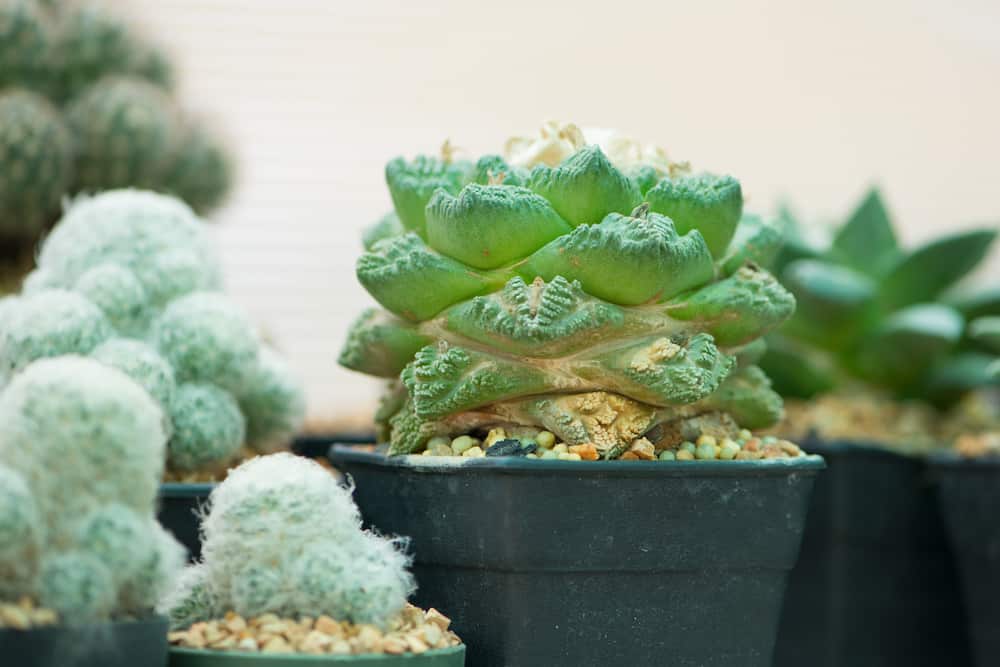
(86,104)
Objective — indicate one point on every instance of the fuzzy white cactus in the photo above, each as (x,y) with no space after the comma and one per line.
(81,455)
(283,536)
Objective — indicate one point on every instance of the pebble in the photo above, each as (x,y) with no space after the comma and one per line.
(587,451)
(463,443)
(570,456)
(24,614)
(667,455)
(545,439)
(707,450)
(474,452)
(684,455)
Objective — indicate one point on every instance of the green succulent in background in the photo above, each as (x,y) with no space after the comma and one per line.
(873,311)
(85,106)
(592,300)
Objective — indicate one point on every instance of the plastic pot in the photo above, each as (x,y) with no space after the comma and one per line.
(179,504)
(185,657)
(315,445)
(123,644)
(595,563)
(876,584)
(969,494)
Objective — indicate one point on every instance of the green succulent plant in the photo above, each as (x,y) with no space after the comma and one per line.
(591,300)
(891,317)
(85,106)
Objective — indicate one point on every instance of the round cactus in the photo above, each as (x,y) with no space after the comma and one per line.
(119,294)
(81,454)
(125,132)
(273,402)
(35,163)
(202,172)
(141,363)
(513,284)
(208,426)
(267,549)
(26,36)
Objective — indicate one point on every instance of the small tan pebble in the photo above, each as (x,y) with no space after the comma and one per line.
(545,439)
(195,639)
(561,448)
(644,449)
(463,443)
(340,647)
(412,615)
(437,618)
(684,455)
(417,645)
(629,456)
(744,434)
(532,455)
(263,619)
(474,452)
(247,644)
(26,603)
(370,638)
(394,645)
(743,456)
(177,636)
(570,456)
(728,449)
(328,626)
(789,448)
(453,639)
(705,439)
(277,645)
(431,634)
(306,622)
(494,436)
(213,632)
(773,451)
(315,642)
(752,445)
(234,622)
(587,451)
(426,452)
(13,616)
(441,450)
(227,642)
(438,440)
(275,628)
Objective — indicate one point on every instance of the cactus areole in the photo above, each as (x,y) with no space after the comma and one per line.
(594,290)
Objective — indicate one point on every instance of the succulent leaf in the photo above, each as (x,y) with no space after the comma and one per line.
(708,203)
(489,226)
(494,170)
(828,293)
(797,370)
(411,185)
(387,227)
(866,242)
(986,332)
(644,176)
(585,187)
(754,241)
(746,395)
(657,261)
(380,344)
(413,281)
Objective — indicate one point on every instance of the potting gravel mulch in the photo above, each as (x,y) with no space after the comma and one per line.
(26,615)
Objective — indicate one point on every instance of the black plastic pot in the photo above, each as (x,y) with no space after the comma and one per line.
(131,644)
(969,493)
(559,563)
(448,657)
(316,445)
(179,505)
(875,585)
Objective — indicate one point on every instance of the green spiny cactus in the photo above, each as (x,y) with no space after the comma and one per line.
(539,292)
(870,310)
(81,451)
(201,172)
(35,164)
(26,44)
(130,278)
(267,549)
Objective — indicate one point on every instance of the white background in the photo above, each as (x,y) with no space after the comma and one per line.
(810,100)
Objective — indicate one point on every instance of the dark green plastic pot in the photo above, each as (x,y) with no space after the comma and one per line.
(184,657)
(876,584)
(561,563)
(179,505)
(969,494)
(131,644)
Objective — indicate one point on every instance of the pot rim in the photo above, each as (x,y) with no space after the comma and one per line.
(954,460)
(810,463)
(134,623)
(239,657)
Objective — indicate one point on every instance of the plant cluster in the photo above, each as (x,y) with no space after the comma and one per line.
(872,311)
(560,289)
(81,454)
(85,105)
(282,536)
(131,279)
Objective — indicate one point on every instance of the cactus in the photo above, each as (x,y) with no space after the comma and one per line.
(130,279)
(80,454)
(872,311)
(533,289)
(266,549)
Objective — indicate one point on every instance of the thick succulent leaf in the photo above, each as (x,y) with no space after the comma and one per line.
(412,281)
(909,342)
(585,187)
(928,271)
(644,176)
(380,344)
(985,331)
(541,319)
(392,400)
(706,202)
(750,354)
(794,244)
(408,432)
(443,380)
(738,309)
(661,371)
(976,302)
(795,370)
(489,226)
(746,395)
(958,374)
(755,241)
(387,227)
(412,184)
(494,170)
(867,242)
(826,293)
(626,260)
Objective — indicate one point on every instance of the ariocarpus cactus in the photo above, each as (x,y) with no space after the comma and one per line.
(131,279)
(81,453)
(590,298)
(282,536)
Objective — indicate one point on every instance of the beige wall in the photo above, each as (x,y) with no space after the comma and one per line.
(796,98)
